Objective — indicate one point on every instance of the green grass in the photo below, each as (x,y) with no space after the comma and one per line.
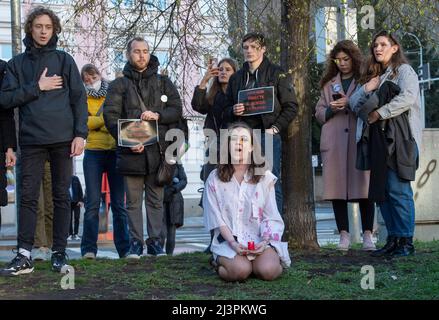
(326,274)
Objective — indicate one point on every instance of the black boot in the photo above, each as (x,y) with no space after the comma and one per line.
(405,247)
(388,248)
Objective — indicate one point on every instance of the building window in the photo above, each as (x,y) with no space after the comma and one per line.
(122,3)
(162,56)
(5,51)
(156,4)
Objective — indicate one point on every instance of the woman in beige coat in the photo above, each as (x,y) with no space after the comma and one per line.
(343,183)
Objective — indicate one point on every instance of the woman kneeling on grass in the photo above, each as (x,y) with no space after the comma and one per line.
(240,203)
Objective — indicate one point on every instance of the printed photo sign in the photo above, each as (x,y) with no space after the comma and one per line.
(133,132)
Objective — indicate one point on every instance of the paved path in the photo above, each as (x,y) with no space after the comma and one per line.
(192,237)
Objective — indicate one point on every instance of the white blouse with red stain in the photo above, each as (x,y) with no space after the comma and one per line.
(248,210)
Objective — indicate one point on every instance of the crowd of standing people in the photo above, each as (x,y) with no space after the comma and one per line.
(369,111)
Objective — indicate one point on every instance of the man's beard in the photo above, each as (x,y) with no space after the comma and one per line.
(139,66)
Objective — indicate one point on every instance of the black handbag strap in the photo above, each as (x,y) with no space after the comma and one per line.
(101,109)
(161,80)
(142,104)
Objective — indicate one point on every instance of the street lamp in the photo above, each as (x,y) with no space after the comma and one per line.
(422,87)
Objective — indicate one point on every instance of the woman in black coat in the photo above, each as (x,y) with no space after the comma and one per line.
(212,103)
(173,206)
(8,144)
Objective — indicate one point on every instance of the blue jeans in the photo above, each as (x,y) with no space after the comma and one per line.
(95,164)
(398,210)
(276,169)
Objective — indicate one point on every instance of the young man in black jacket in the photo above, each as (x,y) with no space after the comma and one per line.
(8,144)
(140,164)
(257,72)
(45,84)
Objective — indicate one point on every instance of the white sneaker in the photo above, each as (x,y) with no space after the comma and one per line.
(76,237)
(41,254)
(345,241)
(133,256)
(89,256)
(368,244)
(69,238)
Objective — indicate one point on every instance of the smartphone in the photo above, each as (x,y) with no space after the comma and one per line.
(336,96)
(214,62)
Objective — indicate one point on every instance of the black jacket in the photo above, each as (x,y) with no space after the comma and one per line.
(386,143)
(179,182)
(216,118)
(46,117)
(122,102)
(7,140)
(403,151)
(268,74)
(7,123)
(76,194)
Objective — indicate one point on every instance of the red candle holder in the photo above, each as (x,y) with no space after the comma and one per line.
(251,245)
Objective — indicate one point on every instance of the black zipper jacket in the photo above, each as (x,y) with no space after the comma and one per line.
(122,102)
(7,140)
(267,74)
(46,117)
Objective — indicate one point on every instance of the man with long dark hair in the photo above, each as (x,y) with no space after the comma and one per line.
(45,84)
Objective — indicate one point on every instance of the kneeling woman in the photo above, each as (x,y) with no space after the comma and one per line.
(240,205)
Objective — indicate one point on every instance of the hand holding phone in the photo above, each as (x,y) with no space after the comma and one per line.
(336,96)
(340,101)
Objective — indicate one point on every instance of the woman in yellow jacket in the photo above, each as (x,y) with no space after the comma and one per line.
(100,157)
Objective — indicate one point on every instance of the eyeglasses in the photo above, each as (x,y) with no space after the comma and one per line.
(337,61)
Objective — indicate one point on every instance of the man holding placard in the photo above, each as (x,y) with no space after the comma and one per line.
(262,95)
(142,95)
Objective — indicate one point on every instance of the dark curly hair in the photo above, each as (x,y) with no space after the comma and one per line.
(349,48)
(41,11)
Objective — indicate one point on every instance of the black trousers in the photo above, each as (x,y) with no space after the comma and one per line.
(74,218)
(3,184)
(32,170)
(367,210)
(169,230)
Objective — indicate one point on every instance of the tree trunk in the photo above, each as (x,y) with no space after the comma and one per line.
(237,26)
(297,176)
